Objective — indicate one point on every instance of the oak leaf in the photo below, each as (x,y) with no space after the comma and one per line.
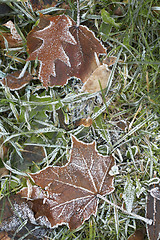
(63,49)
(68,194)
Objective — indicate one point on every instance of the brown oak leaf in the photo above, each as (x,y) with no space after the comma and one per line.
(63,49)
(68,194)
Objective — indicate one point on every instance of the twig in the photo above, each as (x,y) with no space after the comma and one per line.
(146,220)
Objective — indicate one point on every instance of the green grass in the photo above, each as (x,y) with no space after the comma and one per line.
(29,116)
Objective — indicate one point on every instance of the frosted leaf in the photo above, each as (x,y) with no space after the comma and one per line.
(129,194)
(51,49)
(153,212)
(13,30)
(155,192)
(71,191)
(59,44)
(17,218)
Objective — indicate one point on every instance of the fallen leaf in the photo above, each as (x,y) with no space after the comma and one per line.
(4,236)
(17,220)
(61,119)
(3,172)
(97,80)
(13,38)
(4,9)
(59,44)
(138,234)
(68,194)
(153,212)
(31,154)
(122,124)
(15,81)
(86,122)
(109,60)
(40,4)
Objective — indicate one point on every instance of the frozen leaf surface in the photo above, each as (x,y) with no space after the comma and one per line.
(12,37)
(15,81)
(40,4)
(68,194)
(153,212)
(17,220)
(63,49)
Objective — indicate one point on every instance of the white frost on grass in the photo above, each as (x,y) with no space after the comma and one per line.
(129,194)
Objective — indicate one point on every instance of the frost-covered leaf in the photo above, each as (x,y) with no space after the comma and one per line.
(128,194)
(40,4)
(59,44)
(15,81)
(153,212)
(17,219)
(13,38)
(68,194)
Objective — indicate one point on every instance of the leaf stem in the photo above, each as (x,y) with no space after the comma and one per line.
(146,220)
(78,14)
